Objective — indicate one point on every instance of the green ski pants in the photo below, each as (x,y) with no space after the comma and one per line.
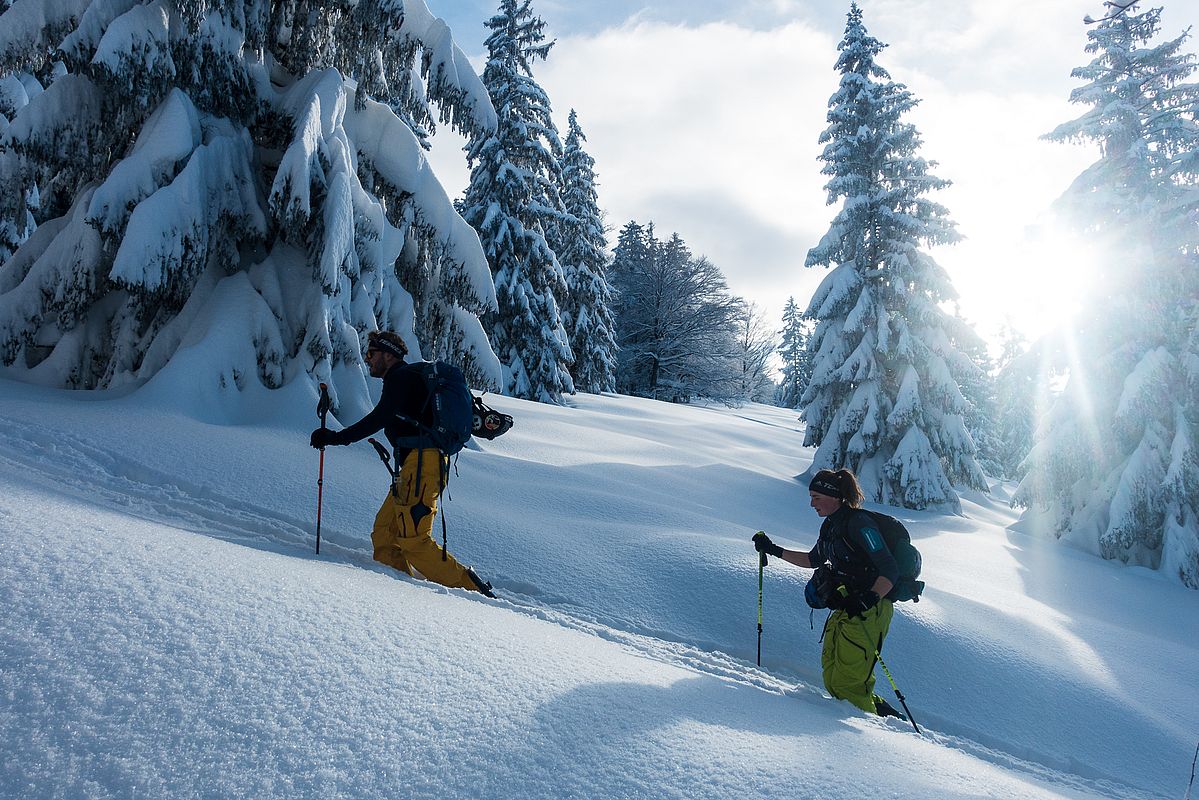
(849,653)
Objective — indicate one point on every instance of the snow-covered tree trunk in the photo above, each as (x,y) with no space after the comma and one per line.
(883,399)
(1115,467)
(237,191)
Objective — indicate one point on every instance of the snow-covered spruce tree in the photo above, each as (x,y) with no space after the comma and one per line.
(1021,388)
(796,358)
(513,202)
(973,370)
(587,307)
(630,258)
(677,321)
(883,399)
(1117,464)
(246,176)
(17,204)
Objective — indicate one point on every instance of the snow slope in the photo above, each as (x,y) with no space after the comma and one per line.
(168,630)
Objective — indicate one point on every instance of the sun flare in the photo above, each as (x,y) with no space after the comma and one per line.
(1036,282)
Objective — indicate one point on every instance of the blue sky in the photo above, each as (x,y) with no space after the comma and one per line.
(703,117)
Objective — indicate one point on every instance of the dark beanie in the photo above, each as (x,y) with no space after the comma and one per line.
(827,484)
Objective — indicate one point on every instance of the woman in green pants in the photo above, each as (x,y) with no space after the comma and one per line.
(854,573)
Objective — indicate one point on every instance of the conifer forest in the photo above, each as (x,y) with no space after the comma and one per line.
(252,177)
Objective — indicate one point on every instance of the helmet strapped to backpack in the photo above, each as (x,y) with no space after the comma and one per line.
(487,422)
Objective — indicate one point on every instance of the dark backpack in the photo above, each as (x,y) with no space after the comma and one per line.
(449,409)
(824,581)
(907,557)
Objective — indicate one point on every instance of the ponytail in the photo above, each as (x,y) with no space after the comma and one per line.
(850,488)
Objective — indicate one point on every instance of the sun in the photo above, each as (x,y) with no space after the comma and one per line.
(1034,280)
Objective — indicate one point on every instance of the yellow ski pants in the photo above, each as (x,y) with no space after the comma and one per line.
(402,535)
(849,653)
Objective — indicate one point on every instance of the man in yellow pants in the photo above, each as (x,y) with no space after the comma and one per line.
(402,535)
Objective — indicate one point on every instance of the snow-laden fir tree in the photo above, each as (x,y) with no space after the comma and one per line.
(1022,392)
(883,399)
(513,201)
(796,358)
(677,321)
(587,307)
(630,260)
(242,179)
(1116,469)
(975,378)
(17,204)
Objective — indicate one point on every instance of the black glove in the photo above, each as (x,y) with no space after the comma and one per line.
(763,544)
(323,437)
(858,603)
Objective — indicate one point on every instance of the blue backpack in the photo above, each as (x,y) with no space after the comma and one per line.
(449,411)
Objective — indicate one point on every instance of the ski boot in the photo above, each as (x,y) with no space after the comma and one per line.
(885,709)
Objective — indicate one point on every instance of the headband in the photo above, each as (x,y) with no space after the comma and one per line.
(386,346)
(830,486)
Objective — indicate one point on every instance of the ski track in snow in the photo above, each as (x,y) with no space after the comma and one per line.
(71,465)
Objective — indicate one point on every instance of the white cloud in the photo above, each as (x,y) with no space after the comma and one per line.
(711,131)
(717,118)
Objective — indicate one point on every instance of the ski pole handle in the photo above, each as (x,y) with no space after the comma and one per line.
(323,405)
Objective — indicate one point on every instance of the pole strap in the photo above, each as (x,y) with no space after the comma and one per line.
(444,543)
(444,476)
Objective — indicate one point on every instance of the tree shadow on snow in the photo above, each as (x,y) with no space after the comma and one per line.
(624,736)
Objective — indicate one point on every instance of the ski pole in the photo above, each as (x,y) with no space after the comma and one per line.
(322,410)
(1192,783)
(879,657)
(761,566)
(898,693)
